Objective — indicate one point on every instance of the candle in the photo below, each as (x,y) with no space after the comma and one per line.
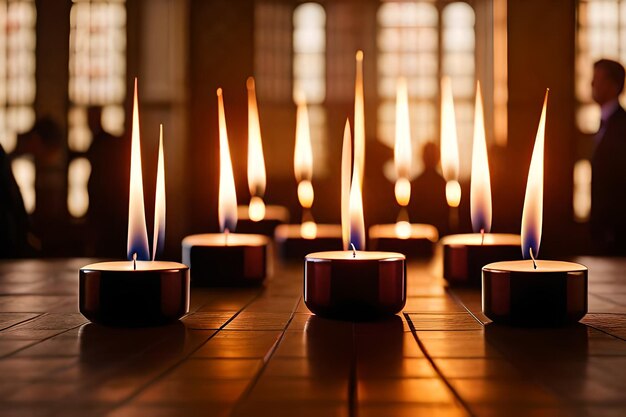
(294,241)
(354,284)
(226,259)
(140,291)
(257,217)
(534,292)
(464,255)
(449,146)
(415,240)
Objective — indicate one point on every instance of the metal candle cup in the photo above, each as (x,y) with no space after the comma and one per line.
(553,294)
(117,294)
(218,260)
(464,255)
(359,285)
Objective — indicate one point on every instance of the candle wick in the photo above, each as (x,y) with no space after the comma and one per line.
(353,250)
(533,258)
(482,236)
(135,261)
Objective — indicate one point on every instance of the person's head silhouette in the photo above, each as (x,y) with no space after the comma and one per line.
(608,81)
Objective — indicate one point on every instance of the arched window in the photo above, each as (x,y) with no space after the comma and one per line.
(97,67)
(17,87)
(408,46)
(309,73)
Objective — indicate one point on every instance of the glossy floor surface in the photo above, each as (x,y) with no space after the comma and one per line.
(259,352)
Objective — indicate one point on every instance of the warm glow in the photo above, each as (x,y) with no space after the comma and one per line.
(137,231)
(532,216)
(305,194)
(453,193)
(359,118)
(480,191)
(346,167)
(256,209)
(256,162)
(227,204)
(308,230)
(449,144)
(402,190)
(303,155)
(402,150)
(403,229)
(159,202)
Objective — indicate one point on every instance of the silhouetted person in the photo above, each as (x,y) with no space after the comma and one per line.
(108,190)
(428,198)
(45,143)
(13,217)
(608,185)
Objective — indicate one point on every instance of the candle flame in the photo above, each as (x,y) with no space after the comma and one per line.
(256,161)
(402,149)
(256,209)
(403,229)
(159,202)
(137,230)
(352,211)
(346,162)
(480,191)
(532,216)
(359,117)
(303,155)
(227,197)
(449,144)
(308,230)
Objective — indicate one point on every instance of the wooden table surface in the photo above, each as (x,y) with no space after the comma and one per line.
(259,352)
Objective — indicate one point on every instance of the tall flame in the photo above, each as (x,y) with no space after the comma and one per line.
(303,155)
(359,117)
(532,216)
(346,168)
(402,150)
(256,161)
(159,202)
(227,204)
(480,191)
(137,231)
(449,144)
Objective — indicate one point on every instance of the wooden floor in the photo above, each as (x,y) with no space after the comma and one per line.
(259,352)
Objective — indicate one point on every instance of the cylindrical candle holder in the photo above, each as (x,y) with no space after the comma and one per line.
(274,216)
(235,260)
(412,240)
(366,286)
(554,294)
(292,245)
(116,294)
(464,255)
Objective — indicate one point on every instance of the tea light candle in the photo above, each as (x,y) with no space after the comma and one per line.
(137,292)
(534,292)
(354,284)
(257,217)
(226,259)
(464,255)
(414,240)
(295,241)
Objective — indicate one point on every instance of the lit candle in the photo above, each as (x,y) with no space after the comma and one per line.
(464,255)
(534,292)
(226,259)
(449,145)
(410,239)
(257,217)
(294,241)
(354,283)
(140,291)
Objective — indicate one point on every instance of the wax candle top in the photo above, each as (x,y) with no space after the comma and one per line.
(542,266)
(293,231)
(477,239)
(417,231)
(354,256)
(128,266)
(220,239)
